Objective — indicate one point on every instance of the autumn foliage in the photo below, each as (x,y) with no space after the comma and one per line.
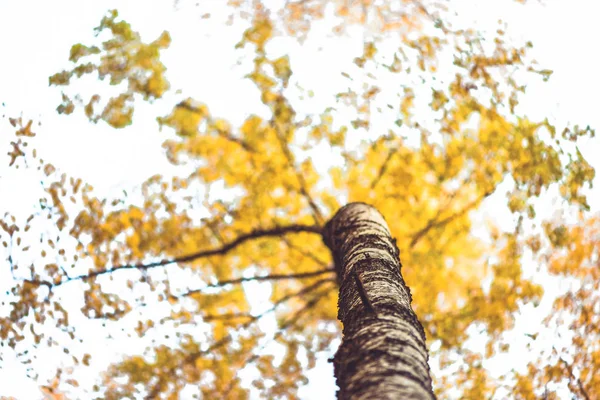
(429,132)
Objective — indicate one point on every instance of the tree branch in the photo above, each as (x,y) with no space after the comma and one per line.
(435,223)
(289,296)
(222,250)
(383,168)
(310,304)
(304,253)
(223,134)
(301,181)
(272,277)
(573,378)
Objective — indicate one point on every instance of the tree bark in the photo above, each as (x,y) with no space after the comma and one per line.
(383,353)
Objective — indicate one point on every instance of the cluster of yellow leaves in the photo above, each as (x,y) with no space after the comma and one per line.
(124,57)
(575,366)
(213,368)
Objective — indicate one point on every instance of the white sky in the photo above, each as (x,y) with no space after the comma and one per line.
(36,35)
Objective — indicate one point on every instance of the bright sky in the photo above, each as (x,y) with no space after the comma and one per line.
(36,35)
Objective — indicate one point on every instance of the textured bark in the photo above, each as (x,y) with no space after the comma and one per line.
(383,353)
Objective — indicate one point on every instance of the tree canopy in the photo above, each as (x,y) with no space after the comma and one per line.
(429,131)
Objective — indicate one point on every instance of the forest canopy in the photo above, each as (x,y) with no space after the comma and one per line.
(214,270)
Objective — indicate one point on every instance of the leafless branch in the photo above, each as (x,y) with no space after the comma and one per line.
(272,277)
(222,250)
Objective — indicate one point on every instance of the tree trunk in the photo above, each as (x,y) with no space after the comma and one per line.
(383,353)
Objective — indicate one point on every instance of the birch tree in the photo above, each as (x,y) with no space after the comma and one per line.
(383,353)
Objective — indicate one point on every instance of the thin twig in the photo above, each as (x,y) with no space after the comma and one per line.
(272,277)
(572,377)
(383,168)
(284,299)
(435,223)
(303,190)
(221,133)
(282,328)
(304,253)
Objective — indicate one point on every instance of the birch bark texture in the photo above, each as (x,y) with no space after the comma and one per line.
(383,353)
